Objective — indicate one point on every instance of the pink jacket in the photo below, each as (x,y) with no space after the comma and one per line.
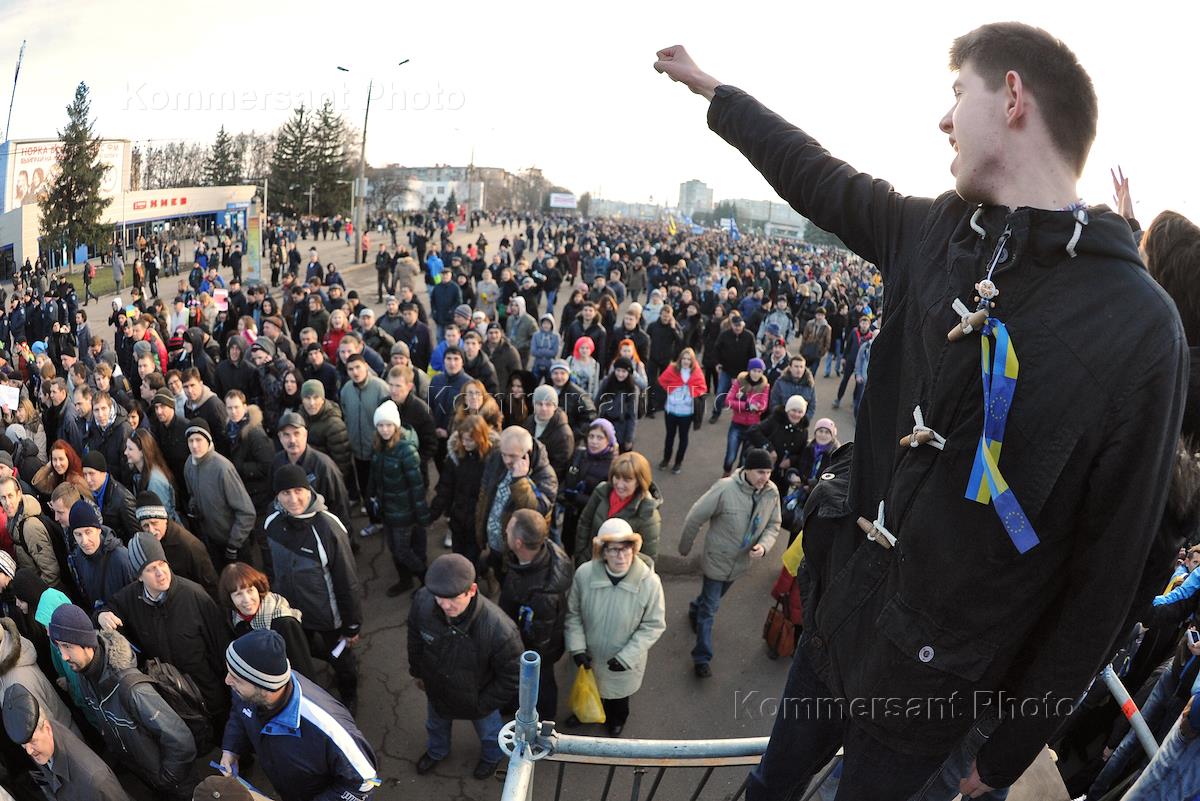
(742,394)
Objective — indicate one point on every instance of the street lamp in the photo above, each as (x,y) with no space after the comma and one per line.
(360,208)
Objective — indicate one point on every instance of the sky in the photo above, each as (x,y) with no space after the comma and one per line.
(569,87)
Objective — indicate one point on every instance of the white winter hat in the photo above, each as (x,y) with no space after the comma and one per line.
(387,413)
(796,403)
(615,530)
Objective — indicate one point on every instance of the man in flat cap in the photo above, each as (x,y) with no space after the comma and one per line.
(67,770)
(464,653)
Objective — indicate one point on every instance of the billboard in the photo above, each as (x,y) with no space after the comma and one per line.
(562,200)
(31,166)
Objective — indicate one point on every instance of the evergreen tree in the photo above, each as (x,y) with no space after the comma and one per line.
(452,204)
(291,163)
(330,163)
(433,207)
(72,208)
(224,162)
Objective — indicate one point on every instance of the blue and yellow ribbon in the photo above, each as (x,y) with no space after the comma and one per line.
(987,484)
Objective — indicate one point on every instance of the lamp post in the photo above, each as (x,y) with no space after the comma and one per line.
(359,213)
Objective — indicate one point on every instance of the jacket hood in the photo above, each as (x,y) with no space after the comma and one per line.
(30,507)
(108,542)
(519,301)
(205,394)
(544,318)
(118,650)
(254,418)
(15,650)
(1043,235)
(316,505)
(194,337)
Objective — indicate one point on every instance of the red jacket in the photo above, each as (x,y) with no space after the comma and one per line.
(742,394)
(671,380)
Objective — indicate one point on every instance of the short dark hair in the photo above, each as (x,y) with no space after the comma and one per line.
(237,576)
(1172,246)
(1064,91)
(530,528)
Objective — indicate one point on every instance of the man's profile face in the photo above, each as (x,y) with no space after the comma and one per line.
(974,124)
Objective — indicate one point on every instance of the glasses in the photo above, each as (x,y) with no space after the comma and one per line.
(620,547)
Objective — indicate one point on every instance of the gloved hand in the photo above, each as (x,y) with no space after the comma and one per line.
(583,660)
(615,666)
(231,555)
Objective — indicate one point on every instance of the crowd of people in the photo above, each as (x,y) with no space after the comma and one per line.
(181,509)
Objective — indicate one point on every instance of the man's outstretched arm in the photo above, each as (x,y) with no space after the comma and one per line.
(874,220)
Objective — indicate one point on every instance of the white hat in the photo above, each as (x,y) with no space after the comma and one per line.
(796,403)
(387,413)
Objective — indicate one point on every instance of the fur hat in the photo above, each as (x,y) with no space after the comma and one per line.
(615,530)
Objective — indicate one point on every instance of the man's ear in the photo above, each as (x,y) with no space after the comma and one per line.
(1016,101)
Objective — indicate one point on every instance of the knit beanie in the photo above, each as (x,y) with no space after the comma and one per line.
(756,364)
(144,549)
(8,565)
(28,586)
(827,424)
(163,398)
(198,425)
(796,403)
(312,388)
(759,459)
(545,394)
(610,432)
(387,412)
(260,657)
(70,624)
(150,507)
(96,461)
(84,515)
(290,476)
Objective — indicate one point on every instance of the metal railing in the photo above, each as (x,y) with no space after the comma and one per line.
(528,740)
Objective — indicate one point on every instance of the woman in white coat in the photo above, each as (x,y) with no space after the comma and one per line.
(615,612)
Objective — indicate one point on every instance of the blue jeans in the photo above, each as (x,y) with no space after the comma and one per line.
(834,356)
(1173,774)
(724,382)
(437,730)
(704,609)
(807,733)
(943,786)
(733,443)
(1161,709)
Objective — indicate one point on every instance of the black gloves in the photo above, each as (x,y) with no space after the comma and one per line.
(583,660)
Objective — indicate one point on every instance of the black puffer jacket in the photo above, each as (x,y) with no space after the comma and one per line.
(327,433)
(778,434)
(557,437)
(458,485)
(470,665)
(542,587)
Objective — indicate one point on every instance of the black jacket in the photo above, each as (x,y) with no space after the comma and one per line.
(117,509)
(641,343)
(954,607)
(315,570)
(185,629)
(327,433)
(733,351)
(252,452)
(188,557)
(470,665)
(665,342)
(780,435)
(415,414)
(558,439)
(172,441)
(535,597)
(111,442)
(140,729)
(579,406)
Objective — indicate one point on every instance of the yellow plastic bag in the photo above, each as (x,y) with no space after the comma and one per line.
(585,697)
(794,554)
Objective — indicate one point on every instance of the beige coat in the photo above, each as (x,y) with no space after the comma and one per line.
(621,620)
(738,519)
(407,273)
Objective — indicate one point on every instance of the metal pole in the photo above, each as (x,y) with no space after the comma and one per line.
(13,99)
(1136,721)
(359,212)
(518,782)
(527,714)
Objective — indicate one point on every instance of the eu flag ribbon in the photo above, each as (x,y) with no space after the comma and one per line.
(986,483)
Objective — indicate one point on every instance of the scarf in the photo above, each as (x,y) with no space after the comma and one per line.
(270,607)
(615,504)
(495,534)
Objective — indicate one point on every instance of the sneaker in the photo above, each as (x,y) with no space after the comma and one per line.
(448,540)
(664,464)
(484,769)
(703,671)
(676,470)
(837,404)
(368,530)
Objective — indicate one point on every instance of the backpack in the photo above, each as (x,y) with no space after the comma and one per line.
(181,694)
(69,582)
(91,272)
